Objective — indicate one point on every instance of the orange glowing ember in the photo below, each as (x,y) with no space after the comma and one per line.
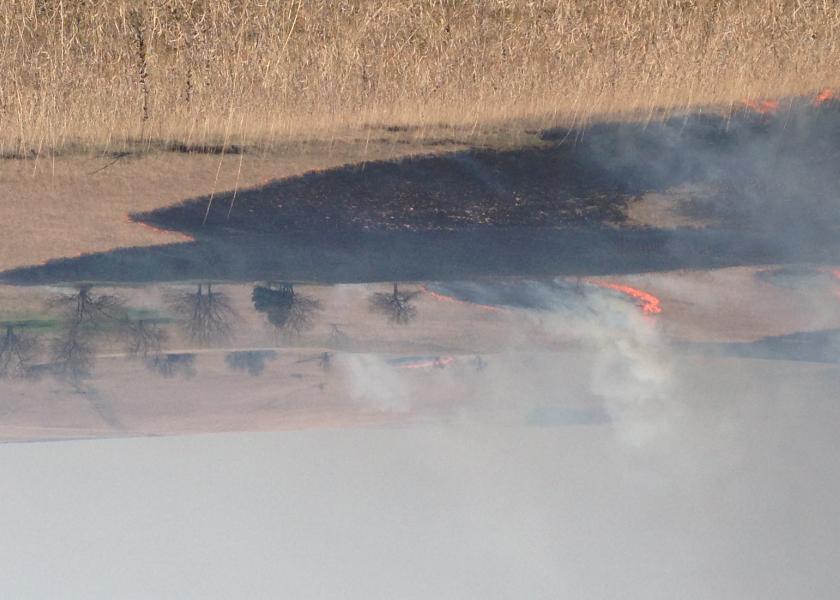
(444,298)
(824,96)
(648,302)
(762,107)
(438,362)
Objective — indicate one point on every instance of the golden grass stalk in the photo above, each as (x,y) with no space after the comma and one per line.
(103,74)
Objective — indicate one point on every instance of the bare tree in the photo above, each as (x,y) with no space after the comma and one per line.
(252,361)
(144,339)
(84,308)
(17,351)
(395,305)
(73,354)
(287,311)
(85,316)
(207,315)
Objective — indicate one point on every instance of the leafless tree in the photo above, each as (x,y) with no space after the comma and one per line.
(84,308)
(252,361)
(207,314)
(395,305)
(144,339)
(17,351)
(287,311)
(85,315)
(73,354)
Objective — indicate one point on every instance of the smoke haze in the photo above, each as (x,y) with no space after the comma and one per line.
(516,437)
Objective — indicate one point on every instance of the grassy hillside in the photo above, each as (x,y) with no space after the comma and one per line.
(95,73)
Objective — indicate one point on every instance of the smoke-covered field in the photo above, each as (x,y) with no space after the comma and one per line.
(514,438)
(604,351)
(602,366)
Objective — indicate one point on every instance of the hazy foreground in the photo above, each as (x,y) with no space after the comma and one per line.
(730,500)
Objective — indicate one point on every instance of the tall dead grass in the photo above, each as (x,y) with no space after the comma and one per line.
(103,73)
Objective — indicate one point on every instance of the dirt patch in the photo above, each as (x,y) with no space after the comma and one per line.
(695,207)
(71,205)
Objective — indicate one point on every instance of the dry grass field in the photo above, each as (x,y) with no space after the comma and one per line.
(111,74)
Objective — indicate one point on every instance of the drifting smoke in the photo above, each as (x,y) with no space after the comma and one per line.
(374,384)
(622,350)
(771,185)
(630,373)
(433,362)
(767,182)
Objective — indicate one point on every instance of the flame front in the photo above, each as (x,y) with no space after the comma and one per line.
(762,107)
(649,303)
(439,362)
(823,97)
(444,298)
(836,273)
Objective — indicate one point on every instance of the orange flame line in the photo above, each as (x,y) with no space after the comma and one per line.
(762,107)
(824,96)
(445,298)
(649,303)
(440,362)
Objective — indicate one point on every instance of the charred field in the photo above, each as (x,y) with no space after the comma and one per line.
(748,161)
(748,187)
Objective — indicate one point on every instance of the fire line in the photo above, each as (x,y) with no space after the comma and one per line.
(428,364)
(824,96)
(444,298)
(762,107)
(649,303)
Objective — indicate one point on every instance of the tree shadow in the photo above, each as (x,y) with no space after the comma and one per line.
(172,365)
(396,305)
(207,315)
(85,317)
(249,361)
(18,351)
(289,313)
